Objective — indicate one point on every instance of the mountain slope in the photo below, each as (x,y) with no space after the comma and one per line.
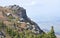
(15,17)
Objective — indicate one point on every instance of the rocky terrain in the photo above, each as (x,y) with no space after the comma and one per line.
(15,17)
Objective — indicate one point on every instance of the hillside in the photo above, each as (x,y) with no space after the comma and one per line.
(14,17)
(14,23)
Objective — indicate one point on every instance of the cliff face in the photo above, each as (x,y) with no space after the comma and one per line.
(15,14)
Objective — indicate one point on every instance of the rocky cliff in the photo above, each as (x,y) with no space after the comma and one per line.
(15,17)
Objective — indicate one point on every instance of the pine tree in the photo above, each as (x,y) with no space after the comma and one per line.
(2,25)
(14,25)
(52,33)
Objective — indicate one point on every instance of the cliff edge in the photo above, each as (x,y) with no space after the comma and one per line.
(15,17)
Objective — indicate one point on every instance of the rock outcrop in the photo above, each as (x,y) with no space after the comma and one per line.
(18,15)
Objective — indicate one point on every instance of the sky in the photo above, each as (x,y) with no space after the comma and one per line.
(43,12)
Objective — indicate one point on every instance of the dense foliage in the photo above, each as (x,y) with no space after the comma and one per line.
(27,33)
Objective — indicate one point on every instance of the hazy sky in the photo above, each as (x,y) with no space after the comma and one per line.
(41,11)
(44,10)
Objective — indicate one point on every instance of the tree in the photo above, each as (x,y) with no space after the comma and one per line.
(52,33)
(2,25)
(21,35)
(17,35)
(14,25)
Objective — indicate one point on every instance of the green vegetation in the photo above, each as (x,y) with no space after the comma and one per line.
(52,33)
(2,25)
(27,33)
(10,17)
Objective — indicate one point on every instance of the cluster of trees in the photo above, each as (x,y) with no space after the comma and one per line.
(27,33)
(50,34)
